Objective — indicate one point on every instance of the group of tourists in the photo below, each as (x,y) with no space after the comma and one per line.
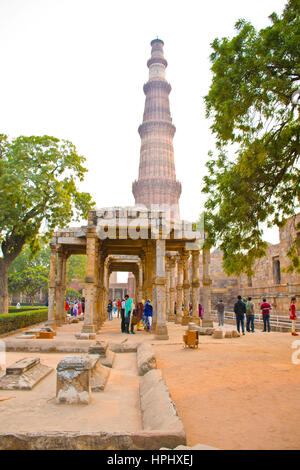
(246,307)
(75,307)
(132,314)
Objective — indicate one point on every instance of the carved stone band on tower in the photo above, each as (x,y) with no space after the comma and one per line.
(157,182)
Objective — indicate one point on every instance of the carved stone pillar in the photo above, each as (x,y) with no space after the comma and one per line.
(179,290)
(161,331)
(90,280)
(195,286)
(207,318)
(63,287)
(154,302)
(58,290)
(170,286)
(52,285)
(186,289)
(168,269)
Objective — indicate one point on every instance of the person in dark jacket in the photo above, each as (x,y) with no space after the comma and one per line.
(240,310)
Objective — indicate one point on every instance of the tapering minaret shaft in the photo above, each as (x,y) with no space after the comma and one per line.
(157,178)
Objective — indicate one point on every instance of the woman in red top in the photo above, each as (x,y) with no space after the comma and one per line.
(293,316)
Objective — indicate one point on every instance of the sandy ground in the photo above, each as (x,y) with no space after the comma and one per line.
(114,409)
(239,393)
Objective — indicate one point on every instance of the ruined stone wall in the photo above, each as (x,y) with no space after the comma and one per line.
(269,279)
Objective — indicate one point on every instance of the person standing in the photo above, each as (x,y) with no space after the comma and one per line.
(220,307)
(250,315)
(240,310)
(119,307)
(79,308)
(148,315)
(293,316)
(265,308)
(123,316)
(109,309)
(128,306)
(139,314)
(133,318)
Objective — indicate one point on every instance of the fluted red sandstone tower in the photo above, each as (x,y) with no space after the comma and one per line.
(157,179)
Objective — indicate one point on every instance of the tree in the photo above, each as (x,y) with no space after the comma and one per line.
(76,268)
(29,281)
(73,294)
(251,102)
(38,190)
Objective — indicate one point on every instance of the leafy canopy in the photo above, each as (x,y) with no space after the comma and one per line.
(252,104)
(38,189)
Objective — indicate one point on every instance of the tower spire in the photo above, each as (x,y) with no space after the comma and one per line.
(157,182)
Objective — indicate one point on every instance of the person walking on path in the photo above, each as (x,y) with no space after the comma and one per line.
(293,316)
(139,314)
(133,318)
(250,315)
(79,308)
(128,306)
(265,308)
(109,309)
(220,307)
(119,307)
(123,329)
(240,310)
(200,311)
(148,315)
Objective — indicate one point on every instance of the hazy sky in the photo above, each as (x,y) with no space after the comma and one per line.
(75,69)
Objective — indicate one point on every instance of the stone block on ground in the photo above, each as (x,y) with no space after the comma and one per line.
(99,374)
(123,347)
(146,360)
(108,360)
(228,334)
(235,334)
(33,336)
(204,330)
(85,335)
(195,447)
(24,374)
(219,334)
(100,348)
(157,407)
(73,380)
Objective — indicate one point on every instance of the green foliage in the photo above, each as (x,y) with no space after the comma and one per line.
(250,102)
(38,185)
(26,259)
(15,321)
(73,294)
(29,281)
(76,268)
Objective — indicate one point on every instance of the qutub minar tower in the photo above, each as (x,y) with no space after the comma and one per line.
(157,182)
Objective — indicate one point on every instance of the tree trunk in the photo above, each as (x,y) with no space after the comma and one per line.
(4,265)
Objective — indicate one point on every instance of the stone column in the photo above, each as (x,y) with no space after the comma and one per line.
(52,285)
(172,264)
(148,271)
(168,268)
(154,302)
(140,284)
(186,288)
(195,286)
(63,287)
(207,318)
(90,280)
(179,290)
(58,293)
(161,331)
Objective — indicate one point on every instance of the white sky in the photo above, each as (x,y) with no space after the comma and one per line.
(75,69)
